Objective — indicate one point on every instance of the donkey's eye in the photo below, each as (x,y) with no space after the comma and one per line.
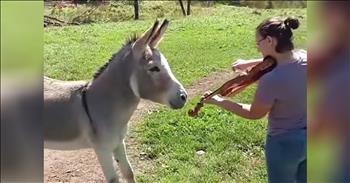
(148,57)
(154,69)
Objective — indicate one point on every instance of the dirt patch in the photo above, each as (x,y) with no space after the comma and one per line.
(82,165)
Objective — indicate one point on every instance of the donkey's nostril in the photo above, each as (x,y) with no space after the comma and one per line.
(183,96)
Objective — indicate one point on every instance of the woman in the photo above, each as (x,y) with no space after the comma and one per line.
(282,94)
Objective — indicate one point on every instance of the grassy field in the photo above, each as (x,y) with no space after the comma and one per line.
(123,10)
(195,47)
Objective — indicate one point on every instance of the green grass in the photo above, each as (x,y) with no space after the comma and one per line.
(233,146)
(117,11)
(195,47)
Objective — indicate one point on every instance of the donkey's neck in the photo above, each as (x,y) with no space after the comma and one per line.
(110,96)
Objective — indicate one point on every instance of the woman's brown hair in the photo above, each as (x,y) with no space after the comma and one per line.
(281,30)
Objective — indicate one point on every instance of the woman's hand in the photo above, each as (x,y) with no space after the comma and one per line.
(213,100)
(242,66)
(239,65)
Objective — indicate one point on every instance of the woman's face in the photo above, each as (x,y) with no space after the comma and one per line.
(266,45)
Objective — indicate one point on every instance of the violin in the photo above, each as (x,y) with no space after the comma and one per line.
(238,83)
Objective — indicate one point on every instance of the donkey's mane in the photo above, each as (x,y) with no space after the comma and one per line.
(128,42)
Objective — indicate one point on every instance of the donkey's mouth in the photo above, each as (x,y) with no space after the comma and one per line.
(176,105)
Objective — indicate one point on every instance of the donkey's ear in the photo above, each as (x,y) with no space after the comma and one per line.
(146,37)
(159,34)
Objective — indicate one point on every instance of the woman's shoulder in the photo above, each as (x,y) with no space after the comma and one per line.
(302,55)
(301,51)
(268,78)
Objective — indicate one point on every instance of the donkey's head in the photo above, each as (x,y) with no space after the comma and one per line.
(152,78)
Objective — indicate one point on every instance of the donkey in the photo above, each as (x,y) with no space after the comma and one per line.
(80,114)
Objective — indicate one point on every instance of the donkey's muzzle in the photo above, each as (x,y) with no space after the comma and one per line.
(179,101)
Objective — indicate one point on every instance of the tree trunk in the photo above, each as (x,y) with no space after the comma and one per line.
(269,5)
(182,8)
(136,9)
(188,7)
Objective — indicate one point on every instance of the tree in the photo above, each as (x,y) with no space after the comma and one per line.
(182,8)
(136,9)
(188,7)
(269,5)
